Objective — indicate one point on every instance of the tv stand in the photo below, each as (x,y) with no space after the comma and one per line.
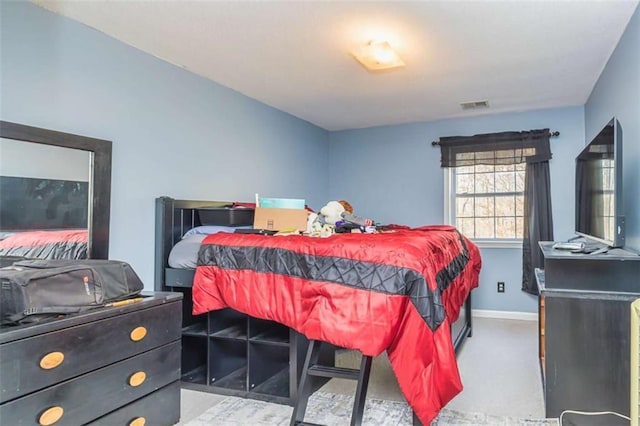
(584,328)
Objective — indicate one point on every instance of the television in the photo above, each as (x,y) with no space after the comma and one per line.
(599,207)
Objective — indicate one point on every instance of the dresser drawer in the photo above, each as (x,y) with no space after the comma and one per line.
(36,362)
(161,408)
(85,398)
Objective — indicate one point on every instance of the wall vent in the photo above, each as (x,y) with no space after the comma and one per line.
(475,105)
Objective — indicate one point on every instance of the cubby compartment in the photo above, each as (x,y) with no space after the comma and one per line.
(269,369)
(228,324)
(268,332)
(193,325)
(194,359)
(228,363)
(196,329)
(188,318)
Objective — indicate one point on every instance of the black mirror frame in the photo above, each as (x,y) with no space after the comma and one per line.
(100,177)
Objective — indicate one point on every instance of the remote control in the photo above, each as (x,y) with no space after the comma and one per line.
(568,246)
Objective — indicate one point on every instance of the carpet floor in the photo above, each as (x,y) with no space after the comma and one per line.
(335,410)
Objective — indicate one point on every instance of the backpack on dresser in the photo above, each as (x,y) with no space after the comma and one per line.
(31,290)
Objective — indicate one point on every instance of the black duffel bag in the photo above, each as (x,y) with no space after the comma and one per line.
(35,289)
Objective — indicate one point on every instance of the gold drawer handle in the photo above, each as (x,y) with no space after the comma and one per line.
(51,360)
(139,421)
(51,416)
(137,379)
(138,334)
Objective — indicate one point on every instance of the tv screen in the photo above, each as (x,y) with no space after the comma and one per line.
(599,210)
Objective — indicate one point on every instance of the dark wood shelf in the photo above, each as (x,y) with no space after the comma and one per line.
(197,375)
(272,337)
(235,332)
(235,380)
(198,330)
(277,385)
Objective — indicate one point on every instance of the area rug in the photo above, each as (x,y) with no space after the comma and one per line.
(335,410)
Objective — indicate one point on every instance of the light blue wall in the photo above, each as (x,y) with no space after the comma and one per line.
(617,93)
(177,134)
(173,133)
(393,175)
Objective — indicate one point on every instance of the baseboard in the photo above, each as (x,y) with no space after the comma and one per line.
(522,316)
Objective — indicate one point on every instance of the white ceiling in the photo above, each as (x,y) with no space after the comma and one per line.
(294,55)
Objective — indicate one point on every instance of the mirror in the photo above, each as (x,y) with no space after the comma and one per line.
(57,186)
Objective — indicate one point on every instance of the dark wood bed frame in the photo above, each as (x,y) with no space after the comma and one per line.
(175,217)
(243,356)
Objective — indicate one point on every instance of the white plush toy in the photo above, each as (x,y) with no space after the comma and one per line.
(331,212)
(311,219)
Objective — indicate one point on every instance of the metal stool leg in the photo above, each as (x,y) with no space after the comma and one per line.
(304,389)
(361,391)
(312,369)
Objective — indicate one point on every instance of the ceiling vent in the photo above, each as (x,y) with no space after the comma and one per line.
(475,105)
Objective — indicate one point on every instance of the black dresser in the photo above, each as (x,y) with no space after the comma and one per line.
(584,332)
(109,366)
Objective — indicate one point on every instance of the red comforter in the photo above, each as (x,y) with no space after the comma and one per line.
(396,291)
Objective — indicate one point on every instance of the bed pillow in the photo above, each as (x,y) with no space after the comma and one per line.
(184,255)
(212,229)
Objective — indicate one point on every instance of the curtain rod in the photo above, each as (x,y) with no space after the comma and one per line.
(551,135)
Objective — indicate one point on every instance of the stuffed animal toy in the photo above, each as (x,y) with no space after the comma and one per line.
(347,206)
(324,224)
(311,220)
(317,227)
(332,212)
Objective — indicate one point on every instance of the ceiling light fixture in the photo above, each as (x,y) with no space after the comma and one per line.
(378,55)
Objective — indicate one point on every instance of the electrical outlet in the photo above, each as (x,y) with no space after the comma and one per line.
(500,286)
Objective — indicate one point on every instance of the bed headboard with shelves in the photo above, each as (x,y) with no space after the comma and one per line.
(173,219)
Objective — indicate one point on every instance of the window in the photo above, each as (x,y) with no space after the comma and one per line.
(486,202)
(486,194)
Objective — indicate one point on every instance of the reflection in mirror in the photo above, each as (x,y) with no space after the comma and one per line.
(44,200)
(54,194)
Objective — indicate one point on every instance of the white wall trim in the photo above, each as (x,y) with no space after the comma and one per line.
(448,185)
(499,244)
(522,316)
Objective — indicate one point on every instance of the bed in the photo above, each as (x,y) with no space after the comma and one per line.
(401,292)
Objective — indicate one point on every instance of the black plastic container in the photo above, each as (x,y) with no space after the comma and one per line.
(226,216)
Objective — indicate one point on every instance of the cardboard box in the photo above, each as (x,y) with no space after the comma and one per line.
(280,219)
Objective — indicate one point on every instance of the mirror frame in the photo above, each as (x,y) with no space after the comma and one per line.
(100,176)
